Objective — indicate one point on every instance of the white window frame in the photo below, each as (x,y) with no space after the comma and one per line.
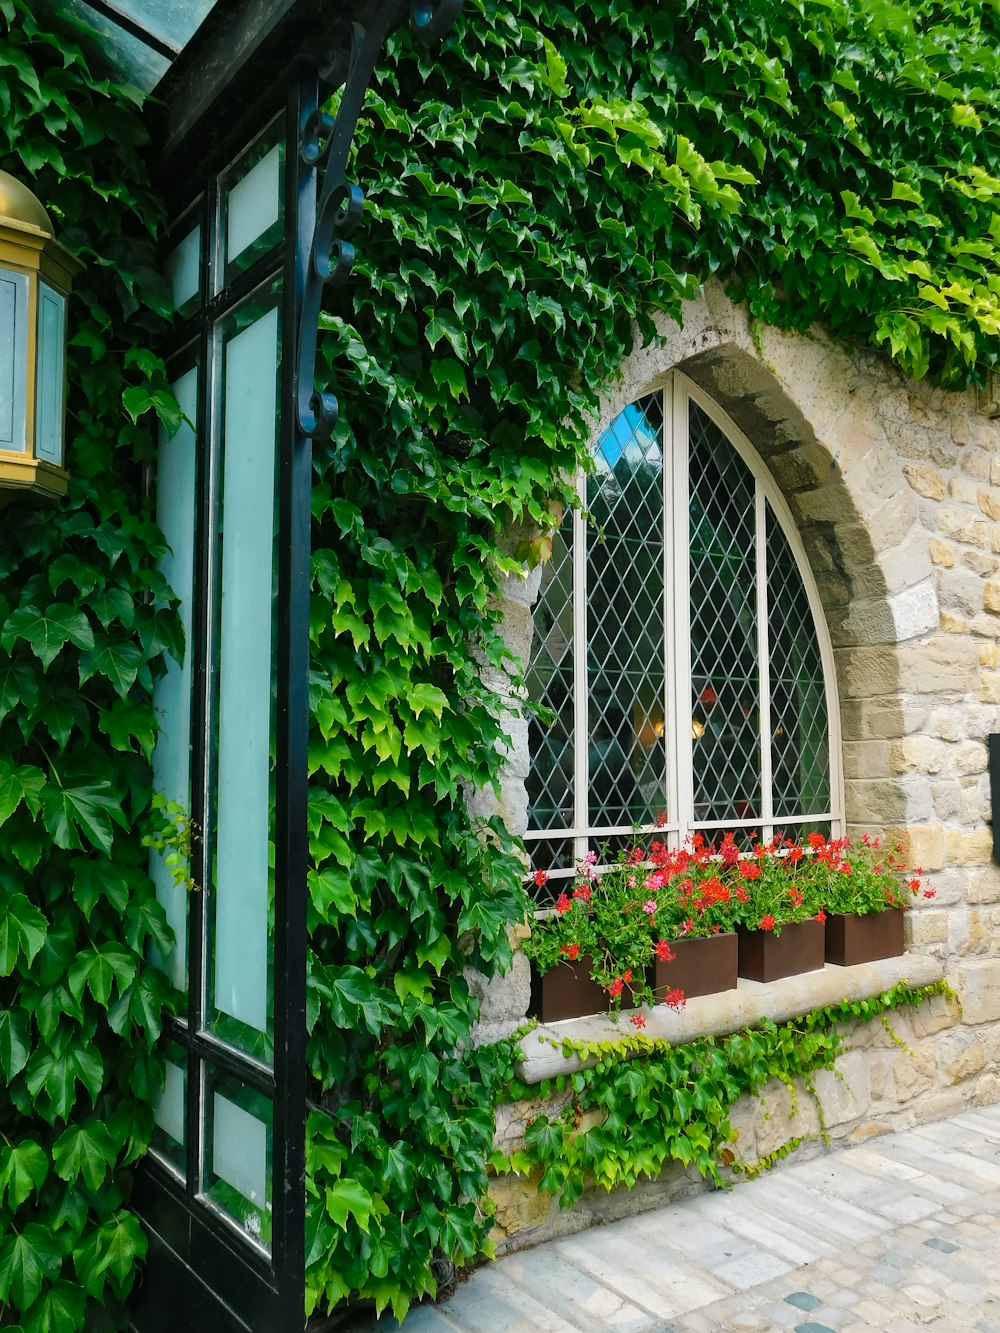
(676,393)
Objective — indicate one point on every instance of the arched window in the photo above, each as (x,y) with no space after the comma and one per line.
(679,648)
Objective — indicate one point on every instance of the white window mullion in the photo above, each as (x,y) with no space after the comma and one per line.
(671,675)
(679,541)
(581,680)
(763,663)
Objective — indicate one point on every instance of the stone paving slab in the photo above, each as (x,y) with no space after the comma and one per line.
(901,1235)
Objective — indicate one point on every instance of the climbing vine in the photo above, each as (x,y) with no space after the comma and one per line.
(661,1105)
(84,621)
(541,189)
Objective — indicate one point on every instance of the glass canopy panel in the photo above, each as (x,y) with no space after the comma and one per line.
(725,679)
(800,745)
(626,758)
(139,39)
(137,62)
(173,22)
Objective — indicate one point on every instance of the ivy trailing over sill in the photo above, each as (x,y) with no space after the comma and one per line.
(662,1104)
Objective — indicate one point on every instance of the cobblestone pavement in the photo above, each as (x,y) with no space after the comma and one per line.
(900,1234)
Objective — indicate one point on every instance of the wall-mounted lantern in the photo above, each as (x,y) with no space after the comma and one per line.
(36,275)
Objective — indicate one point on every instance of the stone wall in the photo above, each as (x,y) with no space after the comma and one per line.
(895,488)
(947,1061)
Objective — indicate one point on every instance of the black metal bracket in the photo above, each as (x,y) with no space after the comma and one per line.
(325,144)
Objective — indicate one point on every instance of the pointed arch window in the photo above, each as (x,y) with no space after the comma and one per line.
(679,648)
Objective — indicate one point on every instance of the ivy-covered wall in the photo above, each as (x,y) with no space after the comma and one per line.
(84,621)
(536,192)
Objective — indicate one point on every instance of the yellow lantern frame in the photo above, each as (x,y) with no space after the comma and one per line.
(36,278)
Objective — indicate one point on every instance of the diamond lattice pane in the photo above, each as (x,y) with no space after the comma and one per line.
(626,750)
(549,682)
(725,678)
(551,855)
(800,733)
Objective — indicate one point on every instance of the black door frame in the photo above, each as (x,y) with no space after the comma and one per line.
(198,1273)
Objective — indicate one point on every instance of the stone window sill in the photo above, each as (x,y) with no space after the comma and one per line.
(719,1015)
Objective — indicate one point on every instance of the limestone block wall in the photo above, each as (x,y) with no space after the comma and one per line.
(895,487)
(947,1061)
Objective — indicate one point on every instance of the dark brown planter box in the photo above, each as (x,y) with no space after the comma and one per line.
(702,966)
(765,956)
(862,939)
(567,992)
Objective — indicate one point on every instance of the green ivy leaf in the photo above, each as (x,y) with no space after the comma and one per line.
(58,1070)
(75,815)
(46,633)
(23,783)
(15,1042)
(24,1168)
(26,1259)
(119,662)
(60,1309)
(113,1248)
(99,968)
(348,1199)
(85,1151)
(22,931)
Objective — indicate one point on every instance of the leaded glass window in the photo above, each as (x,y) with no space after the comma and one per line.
(679,651)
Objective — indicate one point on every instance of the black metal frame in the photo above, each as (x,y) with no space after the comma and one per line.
(199,1273)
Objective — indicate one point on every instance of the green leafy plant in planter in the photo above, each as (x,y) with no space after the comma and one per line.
(865,890)
(861,877)
(603,925)
(773,887)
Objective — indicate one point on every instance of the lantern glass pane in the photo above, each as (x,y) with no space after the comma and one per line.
(175,517)
(13,361)
(51,386)
(241,838)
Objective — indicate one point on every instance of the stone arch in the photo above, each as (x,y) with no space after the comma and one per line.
(895,488)
(807,407)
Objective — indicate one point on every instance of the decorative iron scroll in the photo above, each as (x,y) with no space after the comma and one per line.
(325,144)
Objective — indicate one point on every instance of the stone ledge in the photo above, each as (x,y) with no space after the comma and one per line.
(718,1015)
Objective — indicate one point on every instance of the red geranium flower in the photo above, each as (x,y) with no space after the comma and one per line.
(663,952)
(572,951)
(821,915)
(541,877)
(767,922)
(616,987)
(563,904)
(674,999)
(930,893)
(638,1020)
